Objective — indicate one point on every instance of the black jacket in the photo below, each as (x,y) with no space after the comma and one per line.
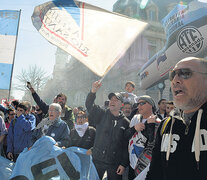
(111,145)
(68,118)
(86,141)
(182,163)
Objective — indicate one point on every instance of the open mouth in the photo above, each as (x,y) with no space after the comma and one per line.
(178,92)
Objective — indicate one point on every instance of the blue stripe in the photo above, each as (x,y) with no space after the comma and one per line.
(70,7)
(9,22)
(5,75)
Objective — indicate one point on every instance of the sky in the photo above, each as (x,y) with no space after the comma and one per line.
(32,48)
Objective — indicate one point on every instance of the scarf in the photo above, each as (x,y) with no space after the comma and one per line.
(81,129)
(45,124)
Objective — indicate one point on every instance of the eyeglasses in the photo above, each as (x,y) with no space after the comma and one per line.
(81,117)
(184,73)
(11,114)
(141,103)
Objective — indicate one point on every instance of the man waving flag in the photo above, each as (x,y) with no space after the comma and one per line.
(94,36)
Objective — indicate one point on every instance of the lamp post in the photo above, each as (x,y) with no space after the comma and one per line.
(161,87)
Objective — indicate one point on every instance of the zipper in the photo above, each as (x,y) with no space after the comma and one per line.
(187,127)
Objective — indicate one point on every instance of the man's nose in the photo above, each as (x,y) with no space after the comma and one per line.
(176,79)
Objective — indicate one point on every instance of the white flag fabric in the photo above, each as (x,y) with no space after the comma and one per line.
(94,36)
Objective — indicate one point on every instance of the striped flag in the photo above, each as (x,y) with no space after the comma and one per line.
(94,36)
(8,31)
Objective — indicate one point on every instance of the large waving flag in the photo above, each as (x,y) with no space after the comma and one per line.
(96,37)
(9,21)
(47,161)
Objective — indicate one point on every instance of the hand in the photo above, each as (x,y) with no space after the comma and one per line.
(10,155)
(152,119)
(120,170)
(95,86)
(139,127)
(89,152)
(31,88)
(7,103)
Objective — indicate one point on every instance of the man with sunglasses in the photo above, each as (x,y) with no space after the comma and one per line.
(181,144)
(110,147)
(143,128)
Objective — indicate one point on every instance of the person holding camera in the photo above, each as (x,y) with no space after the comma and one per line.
(66,114)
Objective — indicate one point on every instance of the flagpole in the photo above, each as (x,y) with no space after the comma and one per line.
(14,55)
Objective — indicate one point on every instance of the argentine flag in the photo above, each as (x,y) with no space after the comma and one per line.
(8,31)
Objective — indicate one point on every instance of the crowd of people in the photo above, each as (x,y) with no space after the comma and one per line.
(128,138)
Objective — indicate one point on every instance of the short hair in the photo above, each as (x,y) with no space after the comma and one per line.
(56,106)
(131,83)
(80,108)
(15,103)
(83,113)
(170,102)
(10,110)
(62,95)
(22,105)
(127,102)
(159,102)
(28,105)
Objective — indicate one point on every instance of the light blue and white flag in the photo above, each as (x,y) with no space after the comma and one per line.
(47,161)
(9,20)
(94,36)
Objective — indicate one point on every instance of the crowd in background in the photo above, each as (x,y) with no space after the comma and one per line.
(120,135)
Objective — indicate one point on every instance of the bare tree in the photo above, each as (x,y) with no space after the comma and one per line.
(35,75)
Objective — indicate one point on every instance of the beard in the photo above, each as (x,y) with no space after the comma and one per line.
(191,103)
(62,105)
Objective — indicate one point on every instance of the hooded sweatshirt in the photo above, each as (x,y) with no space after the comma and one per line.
(181,148)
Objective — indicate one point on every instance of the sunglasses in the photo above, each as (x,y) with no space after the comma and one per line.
(11,114)
(184,73)
(141,103)
(81,117)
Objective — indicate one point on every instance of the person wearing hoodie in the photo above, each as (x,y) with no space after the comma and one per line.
(110,151)
(181,144)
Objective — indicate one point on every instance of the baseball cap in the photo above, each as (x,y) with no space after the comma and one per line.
(117,94)
(149,100)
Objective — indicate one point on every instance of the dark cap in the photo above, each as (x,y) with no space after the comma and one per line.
(118,96)
(149,100)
